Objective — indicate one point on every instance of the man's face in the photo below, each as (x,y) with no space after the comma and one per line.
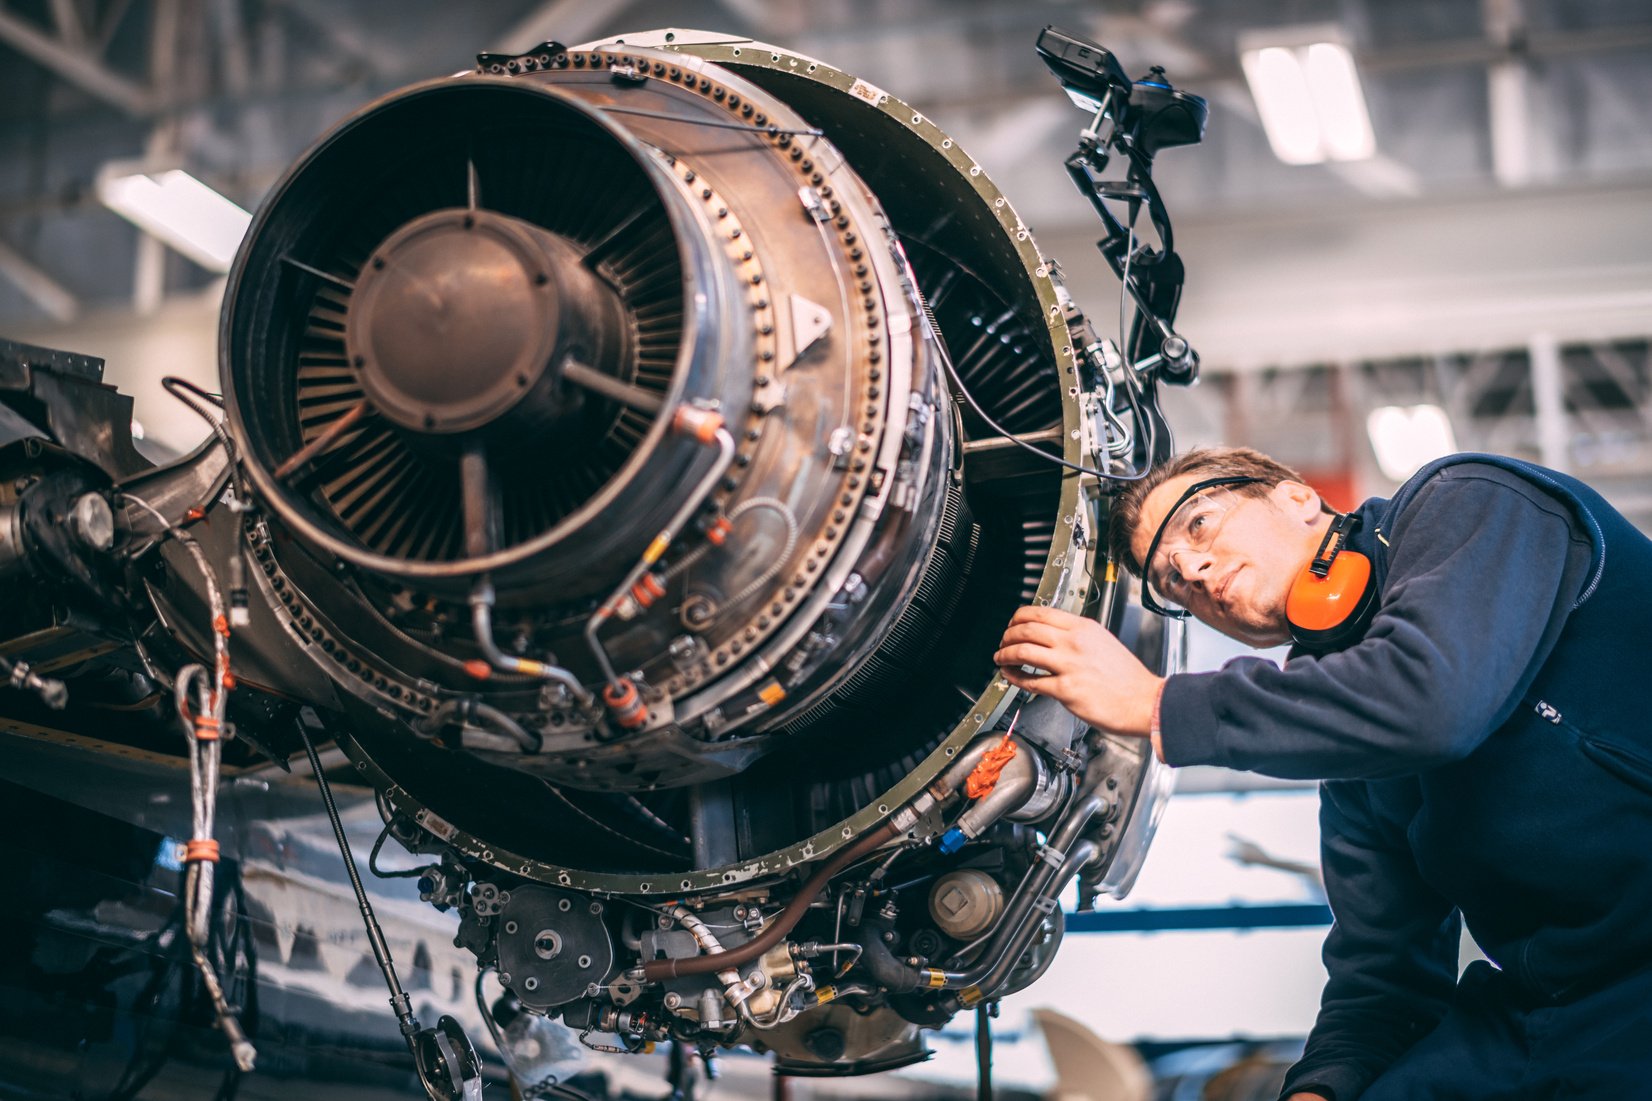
(1228,557)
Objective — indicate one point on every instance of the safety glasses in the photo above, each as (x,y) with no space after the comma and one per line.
(1191,525)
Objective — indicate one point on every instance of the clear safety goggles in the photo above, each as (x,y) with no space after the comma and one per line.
(1190,527)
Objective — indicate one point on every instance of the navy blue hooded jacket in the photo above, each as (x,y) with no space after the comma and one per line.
(1487,751)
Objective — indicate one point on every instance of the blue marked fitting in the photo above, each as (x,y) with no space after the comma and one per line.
(952,840)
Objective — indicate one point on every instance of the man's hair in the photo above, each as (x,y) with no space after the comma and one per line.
(1204,462)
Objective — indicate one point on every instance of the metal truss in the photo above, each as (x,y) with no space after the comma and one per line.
(1585,408)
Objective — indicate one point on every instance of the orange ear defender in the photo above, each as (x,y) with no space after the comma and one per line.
(1329,600)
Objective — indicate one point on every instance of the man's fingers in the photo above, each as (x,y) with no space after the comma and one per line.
(1028,682)
(1040,634)
(1055,617)
(1023,653)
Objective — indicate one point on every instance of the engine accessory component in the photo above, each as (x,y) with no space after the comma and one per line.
(552,944)
(965,903)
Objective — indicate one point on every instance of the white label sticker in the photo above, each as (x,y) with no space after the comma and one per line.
(871,93)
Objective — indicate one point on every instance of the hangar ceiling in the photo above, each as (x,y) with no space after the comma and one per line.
(1510,198)
(1467,97)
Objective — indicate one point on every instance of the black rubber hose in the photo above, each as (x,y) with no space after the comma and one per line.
(659,970)
(889,972)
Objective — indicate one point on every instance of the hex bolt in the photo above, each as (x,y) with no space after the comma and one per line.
(673,1000)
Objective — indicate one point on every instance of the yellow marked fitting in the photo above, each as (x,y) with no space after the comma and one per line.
(656,548)
(771,693)
(825,994)
(970,996)
(530,668)
(1112,571)
(648,1048)
(935,978)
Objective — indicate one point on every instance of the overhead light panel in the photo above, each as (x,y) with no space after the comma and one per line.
(180,210)
(1406,438)
(1308,93)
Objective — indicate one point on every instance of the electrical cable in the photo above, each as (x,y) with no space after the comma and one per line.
(1132,384)
(487,1013)
(781,560)
(205,730)
(373,860)
(177,387)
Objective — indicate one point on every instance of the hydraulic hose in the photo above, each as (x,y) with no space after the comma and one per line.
(660,970)
(889,972)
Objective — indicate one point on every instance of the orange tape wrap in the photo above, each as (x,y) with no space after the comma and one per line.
(984,777)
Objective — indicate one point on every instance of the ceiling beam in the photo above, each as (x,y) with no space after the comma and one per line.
(78,66)
(569,22)
(41,289)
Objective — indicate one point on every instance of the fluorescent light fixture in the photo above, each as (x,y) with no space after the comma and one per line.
(1280,86)
(1339,102)
(1407,437)
(1308,95)
(179,209)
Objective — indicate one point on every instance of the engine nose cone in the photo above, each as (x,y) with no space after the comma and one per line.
(454,320)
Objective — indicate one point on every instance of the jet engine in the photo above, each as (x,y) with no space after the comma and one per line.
(630,456)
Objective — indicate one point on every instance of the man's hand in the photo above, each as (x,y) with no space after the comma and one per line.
(1087,670)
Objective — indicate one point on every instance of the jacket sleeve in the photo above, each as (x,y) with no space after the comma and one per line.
(1481,576)
(1391,953)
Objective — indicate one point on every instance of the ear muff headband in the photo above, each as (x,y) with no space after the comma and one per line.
(1329,599)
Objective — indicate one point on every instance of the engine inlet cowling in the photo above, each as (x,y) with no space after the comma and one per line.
(619,384)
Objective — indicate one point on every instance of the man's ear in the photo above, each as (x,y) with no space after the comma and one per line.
(1296,500)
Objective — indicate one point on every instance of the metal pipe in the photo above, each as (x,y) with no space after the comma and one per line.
(462,708)
(1082,854)
(1016,784)
(481,622)
(1051,859)
(400,1003)
(707,427)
